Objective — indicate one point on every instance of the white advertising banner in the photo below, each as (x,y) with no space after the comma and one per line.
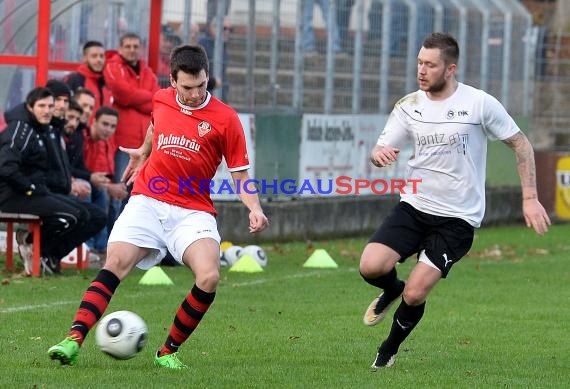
(223,177)
(335,157)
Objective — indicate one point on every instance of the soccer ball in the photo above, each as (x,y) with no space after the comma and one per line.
(257,253)
(231,255)
(121,334)
(223,262)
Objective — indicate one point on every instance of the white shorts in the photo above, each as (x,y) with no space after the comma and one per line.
(150,223)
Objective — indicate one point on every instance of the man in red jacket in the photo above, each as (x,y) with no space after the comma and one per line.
(90,75)
(99,151)
(133,85)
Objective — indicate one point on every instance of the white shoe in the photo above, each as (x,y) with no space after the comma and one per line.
(93,257)
(26,250)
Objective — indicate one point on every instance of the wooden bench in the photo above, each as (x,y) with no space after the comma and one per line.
(34,222)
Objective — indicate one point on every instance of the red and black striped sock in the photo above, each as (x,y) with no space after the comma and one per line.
(94,303)
(187,319)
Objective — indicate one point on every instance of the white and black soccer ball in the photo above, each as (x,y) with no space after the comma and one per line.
(121,334)
(231,255)
(257,253)
(223,261)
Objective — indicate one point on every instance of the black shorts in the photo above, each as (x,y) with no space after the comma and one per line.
(409,231)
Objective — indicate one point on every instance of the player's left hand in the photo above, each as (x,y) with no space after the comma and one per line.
(535,216)
(257,221)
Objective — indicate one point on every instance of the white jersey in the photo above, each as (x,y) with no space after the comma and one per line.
(450,149)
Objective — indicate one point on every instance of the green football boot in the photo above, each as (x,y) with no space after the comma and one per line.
(66,351)
(170,361)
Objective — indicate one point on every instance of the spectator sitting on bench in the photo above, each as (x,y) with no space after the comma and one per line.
(30,152)
(62,94)
(83,103)
(99,149)
(80,175)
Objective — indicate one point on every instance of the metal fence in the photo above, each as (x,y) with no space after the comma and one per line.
(270,67)
(551,93)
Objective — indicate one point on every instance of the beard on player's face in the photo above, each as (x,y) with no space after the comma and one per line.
(438,85)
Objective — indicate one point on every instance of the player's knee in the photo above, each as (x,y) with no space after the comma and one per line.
(118,267)
(373,267)
(377,260)
(208,281)
(414,295)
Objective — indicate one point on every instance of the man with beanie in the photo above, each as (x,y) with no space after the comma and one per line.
(62,94)
(60,162)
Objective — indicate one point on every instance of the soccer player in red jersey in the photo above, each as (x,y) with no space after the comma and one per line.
(170,208)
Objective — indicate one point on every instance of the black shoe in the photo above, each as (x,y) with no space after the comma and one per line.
(383,359)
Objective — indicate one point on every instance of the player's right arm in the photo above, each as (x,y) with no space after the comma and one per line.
(137,157)
(395,134)
(383,155)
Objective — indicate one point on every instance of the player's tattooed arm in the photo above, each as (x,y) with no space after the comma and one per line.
(534,213)
(525,163)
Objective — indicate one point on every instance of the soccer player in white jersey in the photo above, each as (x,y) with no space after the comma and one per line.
(170,208)
(449,124)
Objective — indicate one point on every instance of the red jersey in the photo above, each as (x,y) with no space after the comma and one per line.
(187,147)
(99,155)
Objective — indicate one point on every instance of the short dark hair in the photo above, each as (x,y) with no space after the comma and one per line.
(74,106)
(106,110)
(90,44)
(83,91)
(191,59)
(39,93)
(129,35)
(446,43)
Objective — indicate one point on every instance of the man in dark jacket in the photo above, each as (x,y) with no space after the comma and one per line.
(35,179)
(74,150)
(58,161)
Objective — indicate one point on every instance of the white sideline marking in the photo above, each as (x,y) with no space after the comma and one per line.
(23,308)
(292,276)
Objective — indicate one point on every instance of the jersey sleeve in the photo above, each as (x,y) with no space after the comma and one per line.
(497,123)
(395,131)
(234,146)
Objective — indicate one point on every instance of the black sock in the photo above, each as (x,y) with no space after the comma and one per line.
(406,318)
(389,282)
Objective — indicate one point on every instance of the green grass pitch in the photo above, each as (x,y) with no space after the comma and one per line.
(499,320)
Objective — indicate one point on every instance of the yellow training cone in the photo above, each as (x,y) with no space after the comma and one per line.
(155,276)
(320,259)
(246,264)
